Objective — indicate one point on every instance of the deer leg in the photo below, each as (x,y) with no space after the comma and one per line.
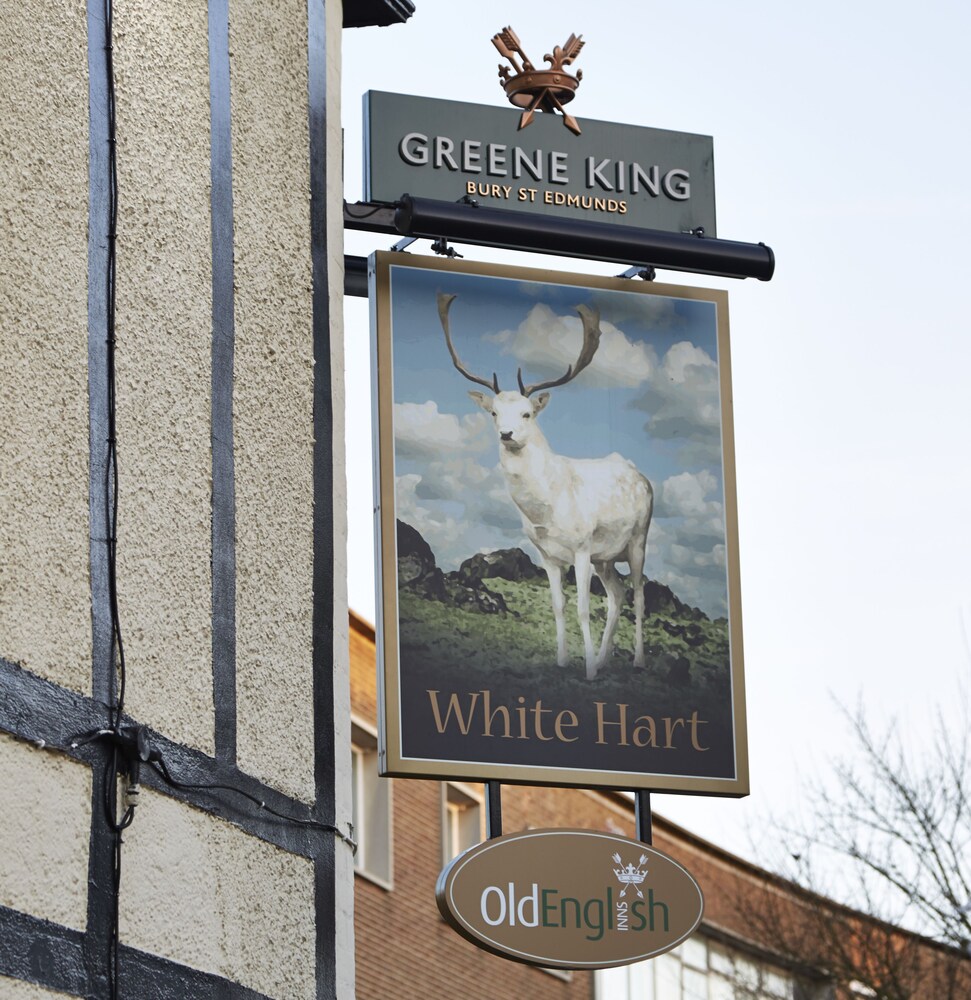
(584,570)
(615,597)
(555,575)
(635,556)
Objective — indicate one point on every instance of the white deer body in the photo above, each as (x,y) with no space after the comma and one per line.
(585,513)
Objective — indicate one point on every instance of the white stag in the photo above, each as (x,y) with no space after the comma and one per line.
(584,512)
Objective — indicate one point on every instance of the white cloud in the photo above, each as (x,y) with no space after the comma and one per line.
(654,311)
(546,344)
(683,402)
(441,530)
(686,542)
(421,431)
(686,495)
(459,506)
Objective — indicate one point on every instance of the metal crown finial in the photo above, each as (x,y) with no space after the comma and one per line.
(544,89)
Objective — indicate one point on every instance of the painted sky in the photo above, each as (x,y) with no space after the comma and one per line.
(651,394)
(841,140)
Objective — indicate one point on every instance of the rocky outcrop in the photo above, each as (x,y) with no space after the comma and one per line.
(465,587)
(660,599)
(504,564)
(419,573)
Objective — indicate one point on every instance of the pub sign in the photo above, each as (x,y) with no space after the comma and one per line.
(623,175)
(555,505)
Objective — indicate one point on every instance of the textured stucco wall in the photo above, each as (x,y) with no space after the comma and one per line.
(200,891)
(45,616)
(344,860)
(45,804)
(163,362)
(195,889)
(16,989)
(273,404)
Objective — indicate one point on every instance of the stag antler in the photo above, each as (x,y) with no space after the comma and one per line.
(591,341)
(444,304)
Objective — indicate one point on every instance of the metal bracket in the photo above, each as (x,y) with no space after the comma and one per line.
(647,273)
(516,230)
(493,809)
(441,247)
(642,816)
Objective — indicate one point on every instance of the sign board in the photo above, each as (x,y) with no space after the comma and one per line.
(509,484)
(618,174)
(570,899)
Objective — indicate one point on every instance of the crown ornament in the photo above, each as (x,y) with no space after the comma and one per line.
(535,89)
(630,875)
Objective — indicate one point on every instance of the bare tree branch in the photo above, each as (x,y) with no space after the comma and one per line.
(890,837)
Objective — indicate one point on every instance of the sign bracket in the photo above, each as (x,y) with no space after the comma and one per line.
(643,822)
(468,222)
(644,273)
(493,791)
(642,816)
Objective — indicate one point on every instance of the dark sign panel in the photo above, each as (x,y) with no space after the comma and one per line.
(620,174)
(558,542)
(570,899)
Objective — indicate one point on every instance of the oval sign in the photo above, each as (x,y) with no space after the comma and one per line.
(569,899)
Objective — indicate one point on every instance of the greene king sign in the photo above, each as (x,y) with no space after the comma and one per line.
(570,899)
(644,177)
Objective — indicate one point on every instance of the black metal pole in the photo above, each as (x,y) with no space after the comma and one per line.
(642,816)
(497,227)
(493,809)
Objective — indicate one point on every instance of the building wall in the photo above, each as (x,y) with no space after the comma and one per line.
(236,877)
(404,947)
(44,602)
(759,936)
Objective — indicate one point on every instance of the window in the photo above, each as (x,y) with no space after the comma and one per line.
(696,970)
(371,808)
(463,820)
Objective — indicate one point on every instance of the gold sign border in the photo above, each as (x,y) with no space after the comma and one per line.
(392,762)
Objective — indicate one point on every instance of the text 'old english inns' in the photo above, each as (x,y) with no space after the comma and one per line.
(615,724)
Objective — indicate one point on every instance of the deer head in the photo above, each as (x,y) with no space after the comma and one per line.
(514,413)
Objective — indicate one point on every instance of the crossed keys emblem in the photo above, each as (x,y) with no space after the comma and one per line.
(544,89)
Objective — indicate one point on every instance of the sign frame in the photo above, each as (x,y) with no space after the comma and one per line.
(397,760)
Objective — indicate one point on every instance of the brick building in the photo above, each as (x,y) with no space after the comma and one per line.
(761,938)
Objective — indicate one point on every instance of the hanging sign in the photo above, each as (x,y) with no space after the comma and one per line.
(559,595)
(618,174)
(570,899)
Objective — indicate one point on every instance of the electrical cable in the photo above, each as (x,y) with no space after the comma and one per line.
(359,216)
(161,768)
(111,467)
(117,646)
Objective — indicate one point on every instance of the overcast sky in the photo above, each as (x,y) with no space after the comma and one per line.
(841,140)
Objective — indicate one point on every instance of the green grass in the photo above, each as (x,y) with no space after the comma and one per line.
(516,652)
